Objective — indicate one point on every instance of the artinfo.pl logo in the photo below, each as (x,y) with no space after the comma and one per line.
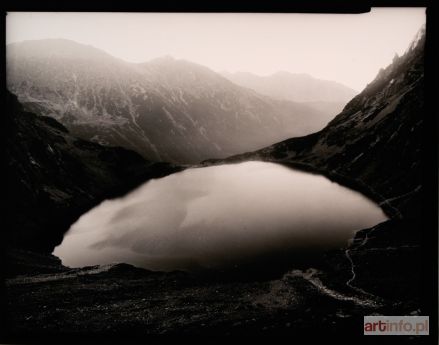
(396,325)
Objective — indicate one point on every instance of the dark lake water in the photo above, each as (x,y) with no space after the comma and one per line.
(219,216)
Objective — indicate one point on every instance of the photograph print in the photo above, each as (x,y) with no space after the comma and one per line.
(241,175)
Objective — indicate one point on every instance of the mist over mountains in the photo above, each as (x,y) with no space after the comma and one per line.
(327,96)
(165,109)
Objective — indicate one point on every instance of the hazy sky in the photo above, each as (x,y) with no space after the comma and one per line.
(348,48)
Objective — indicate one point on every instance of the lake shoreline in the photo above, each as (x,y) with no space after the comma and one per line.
(390,210)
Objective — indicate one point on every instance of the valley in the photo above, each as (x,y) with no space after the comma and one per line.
(165,109)
(84,127)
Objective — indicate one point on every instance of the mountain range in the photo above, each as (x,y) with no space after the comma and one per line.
(165,109)
(327,96)
(374,145)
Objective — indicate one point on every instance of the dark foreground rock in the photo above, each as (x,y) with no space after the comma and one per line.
(102,302)
(384,261)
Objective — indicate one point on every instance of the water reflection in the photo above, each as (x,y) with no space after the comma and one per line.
(219,216)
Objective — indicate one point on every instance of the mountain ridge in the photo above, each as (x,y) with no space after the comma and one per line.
(285,85)
(167,110)
(326,96)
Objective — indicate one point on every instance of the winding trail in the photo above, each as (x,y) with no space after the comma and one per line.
(310,276)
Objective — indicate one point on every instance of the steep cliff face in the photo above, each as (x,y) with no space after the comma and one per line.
(375,143)
(53,177)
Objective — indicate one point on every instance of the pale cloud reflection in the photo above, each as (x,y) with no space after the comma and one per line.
(215,216)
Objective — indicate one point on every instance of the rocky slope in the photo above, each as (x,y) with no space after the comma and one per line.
(166,109)
(53,177)
(120,302)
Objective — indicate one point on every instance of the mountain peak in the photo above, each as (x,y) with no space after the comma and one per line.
(163,58)
(411,57)
(419,38)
